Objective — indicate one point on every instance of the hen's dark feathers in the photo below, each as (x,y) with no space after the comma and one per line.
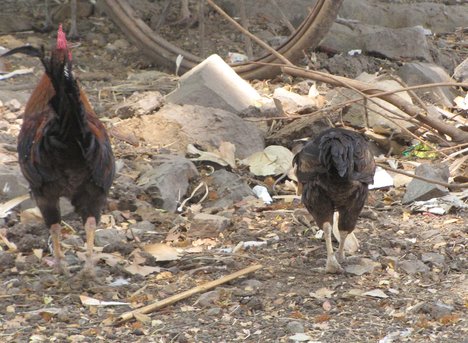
(339,153)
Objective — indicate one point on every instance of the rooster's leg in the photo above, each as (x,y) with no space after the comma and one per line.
(73,34)
(90,228)
(332,264)
(341,253)
(60,265)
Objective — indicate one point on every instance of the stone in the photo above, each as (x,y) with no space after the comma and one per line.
(365,266)
(376,116)
(295,327)
(208,299)
(177,126)
(433,257)
(105,237)
(14,23)
(461,71)
(214,312)
(13,184)
(204,221)
(437,310)
(396,14)
(213,83)
(418,190)
(408,43)
(138,104)
(140,228)
(229,188)
(287,101)
(413,266)
(167,181)
(418,73)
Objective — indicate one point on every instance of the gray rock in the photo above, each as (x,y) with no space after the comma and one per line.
(167,181)
(203,221)
(287,101)
(252,284)
(375,118)
(413,266)
(177,126)
(418,73)
(105,237)
(13,184)
(214,312)
(74,241)
(402,43)
(213,83)
(418,190)
(365,266)
(295,327)
(229,187)
(397,44)
(433,257)
(14,23)
(435,16)
(208,299)
(437,310)
(138,104)
(461,71)
(140,229)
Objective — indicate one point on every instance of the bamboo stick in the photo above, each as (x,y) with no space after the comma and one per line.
(181,296)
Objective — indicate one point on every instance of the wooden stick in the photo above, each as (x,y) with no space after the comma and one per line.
(184,295)
(365,89)
(247,33)
(245,24)
(452,186)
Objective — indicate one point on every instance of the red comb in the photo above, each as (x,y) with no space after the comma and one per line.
(61,39)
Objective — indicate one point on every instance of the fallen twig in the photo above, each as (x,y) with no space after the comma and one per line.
(184,295)
(453,186)
(247,33)
(414,111)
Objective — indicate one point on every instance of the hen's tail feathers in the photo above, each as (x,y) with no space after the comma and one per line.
(26,50)
(337,154)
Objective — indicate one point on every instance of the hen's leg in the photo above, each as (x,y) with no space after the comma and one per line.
(341,253)
(332,264)
(90,228)
(48,204)
(73,34)
(60,265)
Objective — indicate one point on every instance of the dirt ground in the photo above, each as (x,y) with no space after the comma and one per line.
(413,287)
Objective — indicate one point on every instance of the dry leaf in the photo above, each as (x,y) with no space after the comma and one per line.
(274,160)
(322,293)
(7,206)
(141,317)
(85,300)
(31,216)
(142,270)
(227,151)
(38,253)
(376,293)
(11,246)
(162,252)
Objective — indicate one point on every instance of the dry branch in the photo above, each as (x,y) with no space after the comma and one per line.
(452,186)
(184,295)
(414,111)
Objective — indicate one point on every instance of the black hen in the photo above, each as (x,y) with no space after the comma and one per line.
(334,171)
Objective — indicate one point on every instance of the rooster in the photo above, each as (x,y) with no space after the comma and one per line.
(333,172)
(64,149)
